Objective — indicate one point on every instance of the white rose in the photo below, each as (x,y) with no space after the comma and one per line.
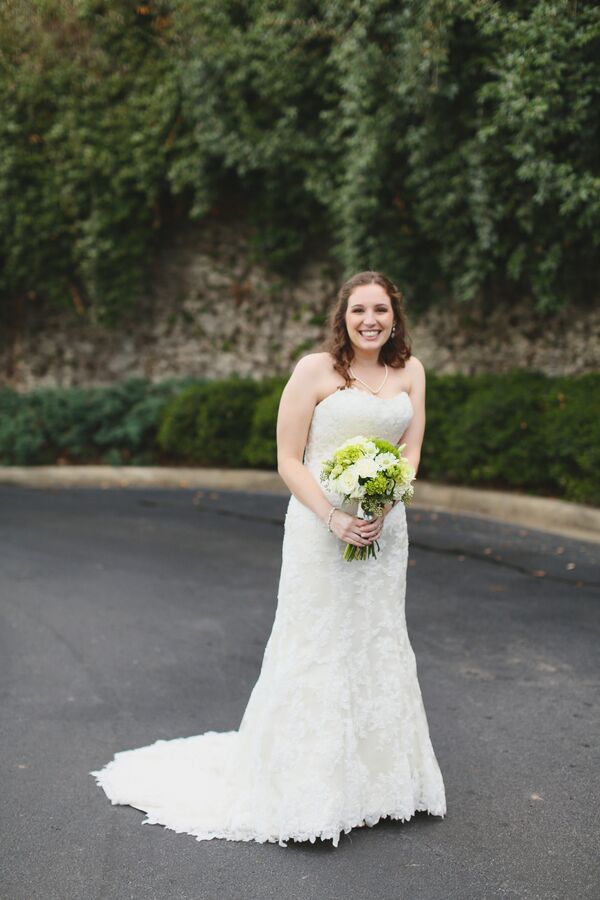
(365,467)
(348,480)
(370,449)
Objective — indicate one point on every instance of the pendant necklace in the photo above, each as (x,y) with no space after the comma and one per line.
(365,383)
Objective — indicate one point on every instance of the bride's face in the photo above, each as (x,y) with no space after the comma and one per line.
(369,316)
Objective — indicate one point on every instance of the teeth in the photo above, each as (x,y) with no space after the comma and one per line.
(370,333)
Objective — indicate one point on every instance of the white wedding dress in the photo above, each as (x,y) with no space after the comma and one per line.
(334,734)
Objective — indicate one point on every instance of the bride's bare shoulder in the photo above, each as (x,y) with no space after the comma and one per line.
(415,367)
(415,372)
(312,374)
(314,365)
(323,359)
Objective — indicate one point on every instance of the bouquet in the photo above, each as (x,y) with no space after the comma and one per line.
(372,471)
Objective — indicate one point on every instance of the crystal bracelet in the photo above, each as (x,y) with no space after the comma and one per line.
(331,512)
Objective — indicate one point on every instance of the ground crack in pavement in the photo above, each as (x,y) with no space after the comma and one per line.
(503,563)
(444,551)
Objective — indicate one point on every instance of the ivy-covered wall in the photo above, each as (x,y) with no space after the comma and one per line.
(451,144)
(210,312)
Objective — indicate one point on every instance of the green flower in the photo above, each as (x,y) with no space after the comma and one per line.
(376,485)
(348,455)
(384,446)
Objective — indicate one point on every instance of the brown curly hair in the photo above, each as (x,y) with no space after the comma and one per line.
(396,350)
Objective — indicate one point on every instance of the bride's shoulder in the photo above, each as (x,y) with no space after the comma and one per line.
(415,376)
(315,361)
(314,364)
(415,367)
(305,384)
(312,375)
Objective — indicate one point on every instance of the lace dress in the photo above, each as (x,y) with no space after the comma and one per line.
(334,734)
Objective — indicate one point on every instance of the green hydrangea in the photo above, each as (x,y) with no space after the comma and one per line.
(348,455)
(384,446)
(376,485)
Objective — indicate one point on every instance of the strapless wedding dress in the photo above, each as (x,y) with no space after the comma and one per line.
(334,734)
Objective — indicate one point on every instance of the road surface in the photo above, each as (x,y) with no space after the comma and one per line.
(134,615)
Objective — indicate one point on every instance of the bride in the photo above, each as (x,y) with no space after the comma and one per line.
(335,734)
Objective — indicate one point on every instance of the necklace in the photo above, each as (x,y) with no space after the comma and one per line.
(356,378)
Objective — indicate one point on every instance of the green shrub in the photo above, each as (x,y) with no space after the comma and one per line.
(115,425)
(519,431)
(522,430)
(177,428)
(498,438)
(261,450)
(223,422)
(125,420)
(48,426)
(21,442)
(210,424)
(572,432)
(443,393)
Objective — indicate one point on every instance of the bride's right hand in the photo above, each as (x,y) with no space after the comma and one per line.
(349,528)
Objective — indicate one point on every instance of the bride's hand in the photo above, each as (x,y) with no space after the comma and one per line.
(373,527)
(376,525)
(354,530)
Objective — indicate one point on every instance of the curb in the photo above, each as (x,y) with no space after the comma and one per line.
(541,513)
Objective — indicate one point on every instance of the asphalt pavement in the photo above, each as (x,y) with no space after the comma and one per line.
(138,614)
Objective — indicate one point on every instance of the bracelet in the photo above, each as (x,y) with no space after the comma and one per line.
(331,512)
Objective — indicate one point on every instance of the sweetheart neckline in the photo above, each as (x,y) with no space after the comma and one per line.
(360,391)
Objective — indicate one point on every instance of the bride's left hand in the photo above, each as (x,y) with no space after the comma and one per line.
(371,530)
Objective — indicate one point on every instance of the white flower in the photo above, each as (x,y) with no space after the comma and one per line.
(408,471)
(348,480)
(365,467)
(385,460)
(370,449)
(359,439)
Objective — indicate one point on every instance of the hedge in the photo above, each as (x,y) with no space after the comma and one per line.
(114,426)
(521,431)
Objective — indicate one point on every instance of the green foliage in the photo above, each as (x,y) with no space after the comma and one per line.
(453,145)
(115,426)
(498,436)
(520,431)
(90,104)
(210,424)
(177,430)
(573,434)
(261,449)
(444,393)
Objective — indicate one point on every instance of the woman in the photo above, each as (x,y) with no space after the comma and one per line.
(335,734)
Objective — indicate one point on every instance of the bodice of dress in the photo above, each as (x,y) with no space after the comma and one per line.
(350,412)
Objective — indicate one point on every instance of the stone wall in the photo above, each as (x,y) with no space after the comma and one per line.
(211,313)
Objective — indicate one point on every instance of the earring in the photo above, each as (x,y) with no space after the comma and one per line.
(393,330)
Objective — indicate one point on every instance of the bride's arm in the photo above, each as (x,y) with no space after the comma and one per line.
(413,436)
(296,409)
